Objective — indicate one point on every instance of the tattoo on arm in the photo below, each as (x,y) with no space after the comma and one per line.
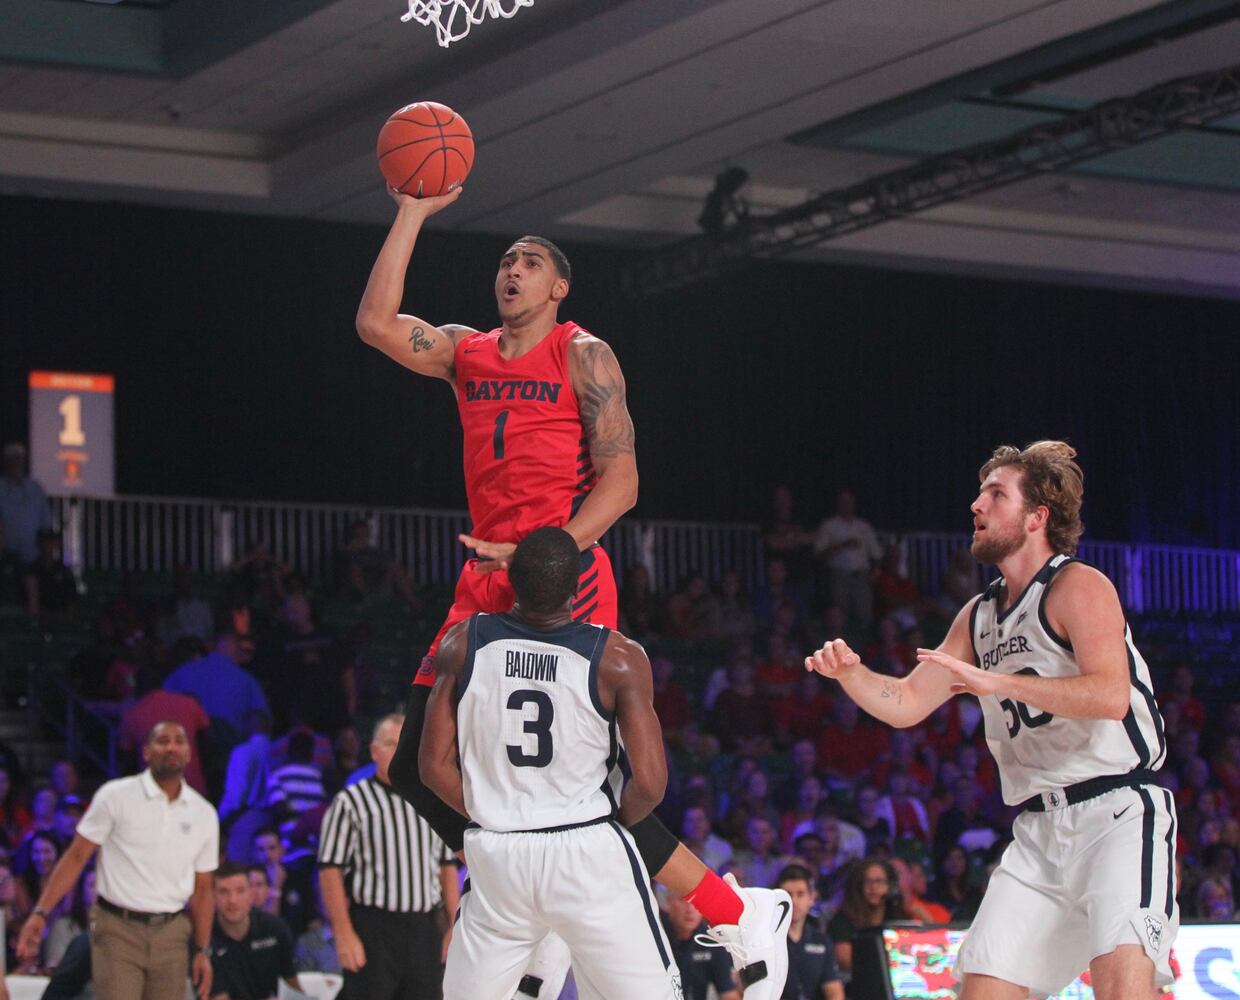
(891,689)
(604,413)
(419,341)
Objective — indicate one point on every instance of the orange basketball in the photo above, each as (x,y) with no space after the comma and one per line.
(425,149)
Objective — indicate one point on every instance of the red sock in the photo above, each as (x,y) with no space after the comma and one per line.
(716,900)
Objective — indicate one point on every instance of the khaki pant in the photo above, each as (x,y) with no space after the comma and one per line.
(137,961)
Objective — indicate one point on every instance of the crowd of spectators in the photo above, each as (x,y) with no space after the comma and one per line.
(770,765)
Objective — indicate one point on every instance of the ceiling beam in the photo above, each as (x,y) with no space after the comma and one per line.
(947,177)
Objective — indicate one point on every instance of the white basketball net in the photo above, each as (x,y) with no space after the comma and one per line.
(453,18)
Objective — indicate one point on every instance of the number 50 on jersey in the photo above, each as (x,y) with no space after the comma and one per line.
(71,433)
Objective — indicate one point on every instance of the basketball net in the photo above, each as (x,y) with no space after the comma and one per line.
(453,18)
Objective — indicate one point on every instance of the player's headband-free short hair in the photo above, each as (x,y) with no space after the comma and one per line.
(558,257)
(545,569)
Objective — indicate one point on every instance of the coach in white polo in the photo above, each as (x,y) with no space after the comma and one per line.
(158,843)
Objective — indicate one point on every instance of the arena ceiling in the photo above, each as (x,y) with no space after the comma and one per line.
(608,120)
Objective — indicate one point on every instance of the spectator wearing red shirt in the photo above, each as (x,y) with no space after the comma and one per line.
(167,706)
(1226,764)
(671,704)
(904,754)
(741,717)
(847,749)
(15,821)
(692,611)
(778,672)
(799,715)
(895,595)
(979,769)
(887,654)
(1194,780)
(904,812)
(1192,711)
(640,611)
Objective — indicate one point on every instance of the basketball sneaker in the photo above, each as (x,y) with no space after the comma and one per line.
(758,942)
(544,976)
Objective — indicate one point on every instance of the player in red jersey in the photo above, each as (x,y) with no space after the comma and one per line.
(548,442)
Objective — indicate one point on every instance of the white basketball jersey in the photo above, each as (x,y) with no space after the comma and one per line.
(1039,752)
(536,746)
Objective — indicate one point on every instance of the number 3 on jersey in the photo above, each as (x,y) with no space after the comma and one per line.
(539,726)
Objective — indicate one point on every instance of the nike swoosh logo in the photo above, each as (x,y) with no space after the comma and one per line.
(783,916)
(471,350)
(984,634)
(1121,812)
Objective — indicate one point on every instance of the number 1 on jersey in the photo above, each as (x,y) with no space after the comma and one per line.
(497,441)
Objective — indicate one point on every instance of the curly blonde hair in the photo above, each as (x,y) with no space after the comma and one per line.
(1051,479)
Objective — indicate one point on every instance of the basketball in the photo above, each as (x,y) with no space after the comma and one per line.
(425,149)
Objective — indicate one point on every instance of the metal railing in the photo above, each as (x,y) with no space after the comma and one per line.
(1148,577)
(155,534)
(55,709)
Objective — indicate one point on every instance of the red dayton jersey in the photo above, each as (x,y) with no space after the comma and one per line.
(527,461)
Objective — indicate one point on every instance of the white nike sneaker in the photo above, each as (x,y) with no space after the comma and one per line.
(758,942)
(544,976)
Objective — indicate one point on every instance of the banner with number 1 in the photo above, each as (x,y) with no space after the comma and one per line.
(71,433)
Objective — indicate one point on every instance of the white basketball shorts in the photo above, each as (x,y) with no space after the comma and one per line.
(1076,883)
(587,884)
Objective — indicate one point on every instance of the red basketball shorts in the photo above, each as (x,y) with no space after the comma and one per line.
(596,602)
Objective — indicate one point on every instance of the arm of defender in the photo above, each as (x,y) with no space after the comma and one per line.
(437,755)
(625,673)
(1082,607)
(412,342)
(600,389)
(899,702)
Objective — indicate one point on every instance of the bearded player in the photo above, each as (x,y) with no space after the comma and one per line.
(548,442)
(1089,879)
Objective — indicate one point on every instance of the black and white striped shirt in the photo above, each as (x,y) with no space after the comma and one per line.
(390,855)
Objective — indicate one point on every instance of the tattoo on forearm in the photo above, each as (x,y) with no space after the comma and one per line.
(419,341)
(891,689)
(604,414)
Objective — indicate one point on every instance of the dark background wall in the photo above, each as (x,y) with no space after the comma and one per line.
(239,374)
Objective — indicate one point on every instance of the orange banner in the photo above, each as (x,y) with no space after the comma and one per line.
(77,381)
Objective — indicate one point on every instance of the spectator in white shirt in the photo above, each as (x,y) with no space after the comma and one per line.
(847,551)
(158,842)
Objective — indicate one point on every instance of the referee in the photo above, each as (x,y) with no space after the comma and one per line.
(384,873)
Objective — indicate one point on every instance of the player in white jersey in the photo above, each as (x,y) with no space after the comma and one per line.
(522,737)
(1089,880)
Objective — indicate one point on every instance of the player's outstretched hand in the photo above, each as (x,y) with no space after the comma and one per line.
(491,555)
(426,206)
(965,676)
(834,659)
